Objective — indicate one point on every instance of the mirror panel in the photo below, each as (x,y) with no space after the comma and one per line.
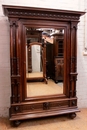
(36,39)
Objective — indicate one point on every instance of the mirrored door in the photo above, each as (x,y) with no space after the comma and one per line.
(53,39)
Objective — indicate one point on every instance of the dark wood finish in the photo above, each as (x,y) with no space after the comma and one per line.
(16,123)
(72,115)
(20,18)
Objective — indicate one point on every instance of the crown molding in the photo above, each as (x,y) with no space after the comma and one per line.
(41,13)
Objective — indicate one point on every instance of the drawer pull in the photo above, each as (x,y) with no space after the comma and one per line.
(16,108)
(46,105)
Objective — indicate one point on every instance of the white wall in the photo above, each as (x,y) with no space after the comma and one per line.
(5,91)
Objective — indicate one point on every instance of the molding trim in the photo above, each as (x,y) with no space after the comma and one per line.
(41,13)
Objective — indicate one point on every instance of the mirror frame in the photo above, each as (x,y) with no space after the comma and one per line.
(35,107)
(45,24)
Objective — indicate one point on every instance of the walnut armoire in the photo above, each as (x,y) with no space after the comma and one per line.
(23,107)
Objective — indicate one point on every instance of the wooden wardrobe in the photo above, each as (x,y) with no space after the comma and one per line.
(21,19)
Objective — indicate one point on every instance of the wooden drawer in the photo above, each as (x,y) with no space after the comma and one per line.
(38,107)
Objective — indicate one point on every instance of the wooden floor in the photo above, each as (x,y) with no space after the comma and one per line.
(41,88)
(50,123)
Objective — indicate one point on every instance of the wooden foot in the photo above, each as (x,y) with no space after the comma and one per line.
(56,81)
(72,115)
(16,123)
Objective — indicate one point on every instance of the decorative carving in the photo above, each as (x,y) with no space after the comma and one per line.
(73,59)
(15,90)
(13,23)
(43,14)
(73,26)
(73,103)
(73,76)
(14,66)
(46,105)
(14,47)
(17,66)
(16,108)
(73,69)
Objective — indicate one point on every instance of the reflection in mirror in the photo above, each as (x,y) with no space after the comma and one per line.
(42,65)
(34,55)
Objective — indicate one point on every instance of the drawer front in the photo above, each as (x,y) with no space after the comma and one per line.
(39,107)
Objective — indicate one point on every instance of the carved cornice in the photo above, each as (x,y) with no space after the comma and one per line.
(41,13)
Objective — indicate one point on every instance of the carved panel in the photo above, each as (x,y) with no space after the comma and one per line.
(14,66)
(73,79)
(15,83)
(13,40)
